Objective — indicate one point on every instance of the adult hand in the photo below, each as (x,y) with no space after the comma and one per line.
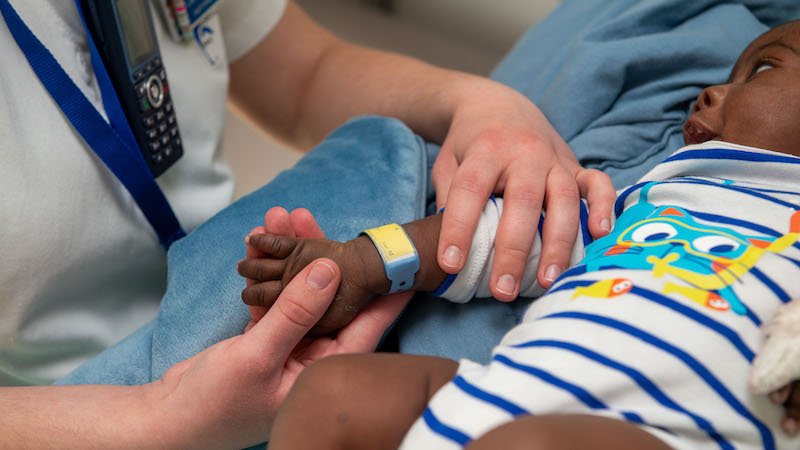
(227,395)
(499,142)
(278,221)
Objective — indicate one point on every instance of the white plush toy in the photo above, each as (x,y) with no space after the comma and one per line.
(778,363)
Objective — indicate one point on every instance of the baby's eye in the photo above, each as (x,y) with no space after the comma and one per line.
(762,67)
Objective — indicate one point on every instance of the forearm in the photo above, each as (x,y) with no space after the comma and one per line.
(302,82)
(79,417)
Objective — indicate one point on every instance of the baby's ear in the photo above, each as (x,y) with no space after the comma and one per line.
(778,362)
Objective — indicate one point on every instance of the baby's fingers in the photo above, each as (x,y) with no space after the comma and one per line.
(262,294)
(791,422)
(262,269)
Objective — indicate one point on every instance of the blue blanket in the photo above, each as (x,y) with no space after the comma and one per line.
(616,78)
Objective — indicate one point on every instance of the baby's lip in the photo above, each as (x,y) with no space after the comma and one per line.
(696,133)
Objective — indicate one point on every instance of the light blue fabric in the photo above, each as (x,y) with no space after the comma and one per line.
(369,172)
(616,78)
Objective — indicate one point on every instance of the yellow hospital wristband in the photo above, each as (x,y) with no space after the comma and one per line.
(400,258)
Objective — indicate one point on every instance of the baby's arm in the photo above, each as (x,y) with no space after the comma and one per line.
(363,274)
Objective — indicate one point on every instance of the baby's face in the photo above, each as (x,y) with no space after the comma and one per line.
(760,104)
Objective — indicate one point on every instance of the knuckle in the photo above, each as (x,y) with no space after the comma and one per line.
(523,195)
(559,244)
(512,251)
(566,192)
(456,225)
(489,140)
(471,181)
(296,312)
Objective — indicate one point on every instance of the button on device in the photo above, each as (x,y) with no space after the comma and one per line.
(168,152)
(168,106)
(144,105)
(171,119)
(157,158)
(173,132)
(149,121)
(152,133)
(155,146)
(165,140)
(159,115)
(155,91)
(141,89)
(162,74)
(162,128)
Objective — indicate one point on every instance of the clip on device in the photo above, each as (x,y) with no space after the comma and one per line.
(126,41)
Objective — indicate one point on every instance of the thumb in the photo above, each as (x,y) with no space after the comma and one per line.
(365,331)
(298,308)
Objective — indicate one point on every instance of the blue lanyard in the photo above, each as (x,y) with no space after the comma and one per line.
(113,142)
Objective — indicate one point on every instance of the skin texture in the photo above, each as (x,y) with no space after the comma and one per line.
(759,106)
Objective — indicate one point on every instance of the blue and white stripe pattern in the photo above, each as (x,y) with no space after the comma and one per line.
(657,359)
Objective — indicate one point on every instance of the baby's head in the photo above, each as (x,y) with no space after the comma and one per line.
(759,106)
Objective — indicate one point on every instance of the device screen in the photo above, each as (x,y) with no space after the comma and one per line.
(139,43)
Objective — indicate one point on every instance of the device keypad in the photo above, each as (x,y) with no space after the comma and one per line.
(161,126)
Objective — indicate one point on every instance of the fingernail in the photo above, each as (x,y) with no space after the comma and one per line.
(605,224)
(320,276)
(247,239)
(790,426)
(452,256)
(552,272)
(506,284)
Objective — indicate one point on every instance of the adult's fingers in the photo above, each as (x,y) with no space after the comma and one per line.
(277,221)
(560,226)
(298,308)
(596,187)
(365,331)
(249,251)
(522,204)
(442,173)
(473,183)
(305,225)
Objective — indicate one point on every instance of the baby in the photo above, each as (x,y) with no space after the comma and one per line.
(645,343)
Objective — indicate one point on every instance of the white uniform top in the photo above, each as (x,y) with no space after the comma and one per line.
(660,320)
(81,266)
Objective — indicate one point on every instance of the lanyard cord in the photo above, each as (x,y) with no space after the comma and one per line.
(119,154)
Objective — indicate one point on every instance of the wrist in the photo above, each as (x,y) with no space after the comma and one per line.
(164,425)
(375,278)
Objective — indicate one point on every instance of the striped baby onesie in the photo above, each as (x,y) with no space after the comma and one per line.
(655,324)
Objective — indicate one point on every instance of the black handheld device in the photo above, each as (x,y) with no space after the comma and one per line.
(126,40)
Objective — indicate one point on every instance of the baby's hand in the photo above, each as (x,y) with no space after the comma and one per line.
(279,221)
(776,369)
(285,257)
